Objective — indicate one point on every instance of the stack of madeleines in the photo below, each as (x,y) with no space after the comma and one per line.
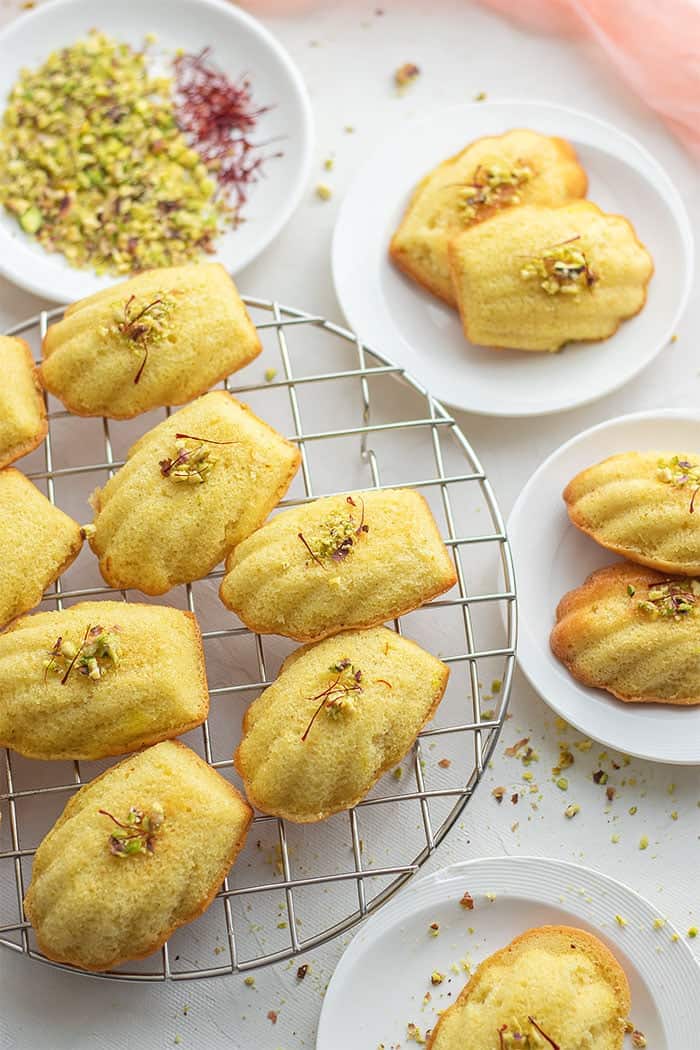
(501,231)
(633,627)
(145,847)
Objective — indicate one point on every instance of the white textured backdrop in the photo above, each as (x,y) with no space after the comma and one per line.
(347,55)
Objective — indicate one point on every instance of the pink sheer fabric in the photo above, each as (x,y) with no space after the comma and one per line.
(653,44)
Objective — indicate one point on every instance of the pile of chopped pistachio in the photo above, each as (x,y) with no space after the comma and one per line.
(93,164)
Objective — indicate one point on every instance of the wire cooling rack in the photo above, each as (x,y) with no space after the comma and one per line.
(359,422)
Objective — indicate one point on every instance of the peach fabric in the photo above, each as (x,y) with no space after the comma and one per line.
(654,45)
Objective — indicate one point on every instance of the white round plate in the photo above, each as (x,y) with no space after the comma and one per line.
(551,557)
(239,44)
(424,335)
(379,984)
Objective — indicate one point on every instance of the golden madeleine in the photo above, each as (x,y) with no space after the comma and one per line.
(488,176)
(160,338)
(37,542)
(642,505)
(191,489)
(137,852)
(100,678)
(633,632)
(554,986)
(23,423)
(354,560)
(536,278)
(340,714)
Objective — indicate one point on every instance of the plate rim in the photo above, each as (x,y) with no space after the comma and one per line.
(681,414)
(290,201)
(684,227)
(398,910)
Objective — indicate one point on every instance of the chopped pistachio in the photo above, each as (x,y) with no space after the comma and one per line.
(659,924)
(674,814)
(492,185)
(97,653)
(270,374)
(93,164)
(191,464)
(563,784)
(632,810)
(673,598)
(328,164)
(338,534)
(480,96)
(434,929)
(643,842)
(571,810)
(560,269)
(620,920)
(324,191)
(680,472)
(638,1038)
(436,977)
(615,839)
(137,834)
(467,901)
(339,696)
(250,981)
(496,685)
(693,931)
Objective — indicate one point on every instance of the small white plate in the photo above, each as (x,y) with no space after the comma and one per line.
(379,984)
(417,331)
(551,557)
(239,44)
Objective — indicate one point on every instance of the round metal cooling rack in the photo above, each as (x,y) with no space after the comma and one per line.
(360,422)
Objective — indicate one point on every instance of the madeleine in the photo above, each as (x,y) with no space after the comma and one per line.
(341,713)
(160,338)
(191,489)
(137,852)
(354,560)
(100,678)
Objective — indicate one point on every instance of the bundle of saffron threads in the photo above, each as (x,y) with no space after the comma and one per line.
(217,116)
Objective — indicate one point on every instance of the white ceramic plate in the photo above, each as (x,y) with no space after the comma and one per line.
(380,982)
(239,45)
(424,335)
(551,557)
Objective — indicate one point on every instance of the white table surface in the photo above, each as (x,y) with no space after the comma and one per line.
(347,54)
